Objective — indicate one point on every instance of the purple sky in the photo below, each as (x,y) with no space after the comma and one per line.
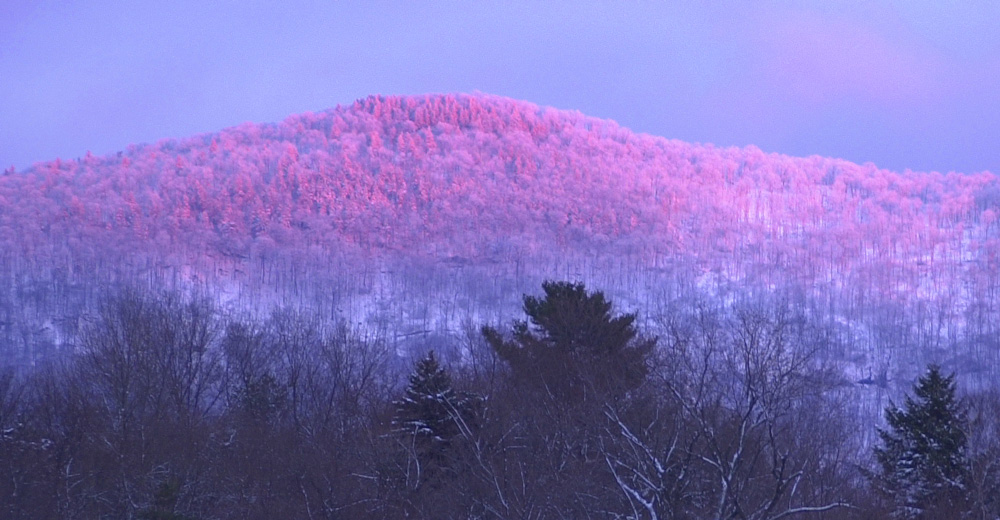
(902,83)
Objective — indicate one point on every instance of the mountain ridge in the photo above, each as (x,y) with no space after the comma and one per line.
(480,178)
(386,149)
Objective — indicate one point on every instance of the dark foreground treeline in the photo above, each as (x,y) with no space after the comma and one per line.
(171,410)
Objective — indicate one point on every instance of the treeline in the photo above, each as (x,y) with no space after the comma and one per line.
(170,409)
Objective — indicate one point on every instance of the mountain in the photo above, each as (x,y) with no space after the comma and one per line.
(490,184)
(485,177)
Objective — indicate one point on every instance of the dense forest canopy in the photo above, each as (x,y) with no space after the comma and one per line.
(486,177)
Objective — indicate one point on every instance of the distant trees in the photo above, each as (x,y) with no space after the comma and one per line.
(404,169)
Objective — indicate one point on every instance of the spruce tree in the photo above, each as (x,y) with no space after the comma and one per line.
(430,415)
(426,408)
(923,454)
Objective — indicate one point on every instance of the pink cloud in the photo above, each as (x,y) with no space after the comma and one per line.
(820,59)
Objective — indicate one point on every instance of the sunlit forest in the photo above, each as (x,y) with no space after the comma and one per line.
(483,187)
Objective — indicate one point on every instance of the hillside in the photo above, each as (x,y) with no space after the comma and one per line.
(478,180)
(479,176)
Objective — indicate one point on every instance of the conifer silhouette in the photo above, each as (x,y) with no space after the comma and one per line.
(923,454)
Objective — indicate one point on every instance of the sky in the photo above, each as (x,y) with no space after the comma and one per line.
(905,84)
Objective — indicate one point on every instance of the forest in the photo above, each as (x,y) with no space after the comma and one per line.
(252,323)
(421,212)
(174,409)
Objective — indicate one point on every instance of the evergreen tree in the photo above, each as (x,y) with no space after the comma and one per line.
(426,408)
(923,454)
(574,347)
(430,415)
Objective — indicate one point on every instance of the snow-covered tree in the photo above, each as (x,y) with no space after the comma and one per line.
(923,453)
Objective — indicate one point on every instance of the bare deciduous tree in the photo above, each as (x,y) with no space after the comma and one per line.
(747,377)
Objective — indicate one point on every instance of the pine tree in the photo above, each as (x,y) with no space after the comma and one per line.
(923,454)
(574,347)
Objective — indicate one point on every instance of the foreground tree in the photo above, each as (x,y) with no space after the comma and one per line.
(922,459)
(748,387)
(429,422)
(429,416)
(574,348)
(568,363)
(984,453)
